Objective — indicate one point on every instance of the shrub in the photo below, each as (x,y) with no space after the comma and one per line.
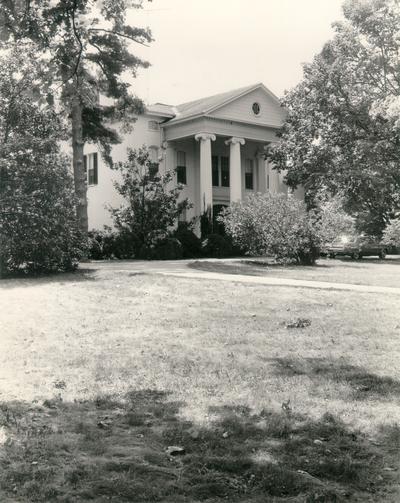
(191,244)
(108,244)
(217,246)
(38,227)
(273,224)
(168,248)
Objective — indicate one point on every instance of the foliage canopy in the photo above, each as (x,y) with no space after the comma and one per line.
(342,131)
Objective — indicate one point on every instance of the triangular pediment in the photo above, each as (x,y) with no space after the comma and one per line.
(244,108)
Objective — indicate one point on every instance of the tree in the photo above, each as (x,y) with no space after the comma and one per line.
(38,226)
(151,206)
(343,125)
(84,49)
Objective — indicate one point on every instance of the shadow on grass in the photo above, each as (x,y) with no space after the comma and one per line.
(363,384)
(366,260)
(19,281)
(108,449)
(260,267)
(249,267)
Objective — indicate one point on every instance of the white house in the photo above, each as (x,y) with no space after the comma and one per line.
(216,144)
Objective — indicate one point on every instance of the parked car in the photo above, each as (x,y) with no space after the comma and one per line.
(357,248)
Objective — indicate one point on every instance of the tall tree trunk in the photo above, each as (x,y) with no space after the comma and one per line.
(79,172)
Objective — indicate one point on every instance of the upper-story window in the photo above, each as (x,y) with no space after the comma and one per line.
(220,171)
(249,174)
(90,163)
(181,167)
(153,126)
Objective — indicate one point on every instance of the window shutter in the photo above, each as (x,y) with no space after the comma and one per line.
(95,169)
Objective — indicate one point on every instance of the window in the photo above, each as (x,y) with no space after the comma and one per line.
(225,171)
(182,216)
(249,175)
(153,125)
(215,173)
(256,108)
(153,168)
(181,167)
(153,153)
(90,165)
(220,171)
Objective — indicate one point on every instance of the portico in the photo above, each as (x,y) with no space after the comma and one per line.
(222,142)
(220,169)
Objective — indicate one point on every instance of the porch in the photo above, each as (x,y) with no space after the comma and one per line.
(218,169)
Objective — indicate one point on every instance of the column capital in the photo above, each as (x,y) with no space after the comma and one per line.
(205,136)
(234,140)
(262,152)
(167,144)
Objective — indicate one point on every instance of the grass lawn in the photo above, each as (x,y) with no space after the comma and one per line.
(368,271)
(102,371)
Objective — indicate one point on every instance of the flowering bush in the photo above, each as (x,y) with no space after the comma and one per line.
(272,224)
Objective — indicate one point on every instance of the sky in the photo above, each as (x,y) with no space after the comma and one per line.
(203,47)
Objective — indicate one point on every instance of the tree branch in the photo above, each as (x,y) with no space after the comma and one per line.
(118,34)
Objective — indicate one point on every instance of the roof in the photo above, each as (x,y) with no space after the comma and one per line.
(210,103)
(203,105)
(161,109)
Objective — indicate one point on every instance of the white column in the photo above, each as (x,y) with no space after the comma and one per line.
(168,157)
(235,168)
(274,176)
(299,193)
(205,170)
(261,173)
(273,180)
(283,188)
